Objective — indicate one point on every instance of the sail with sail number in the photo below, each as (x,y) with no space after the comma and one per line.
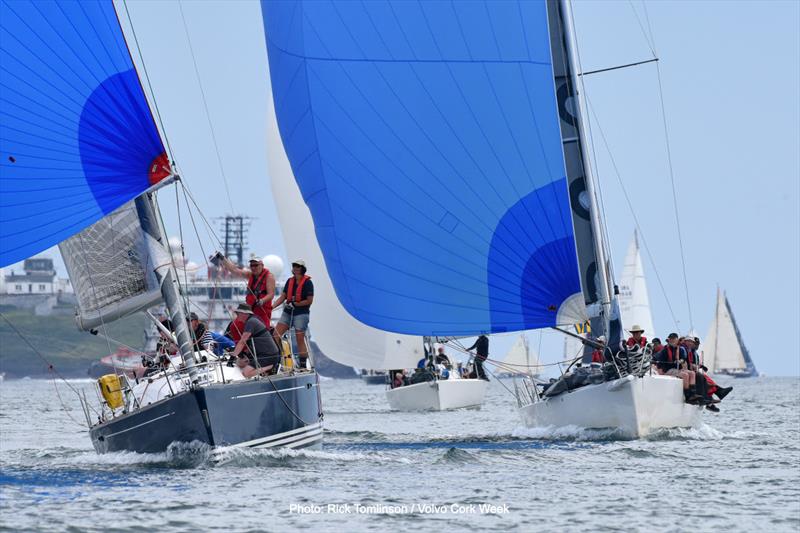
(432,156)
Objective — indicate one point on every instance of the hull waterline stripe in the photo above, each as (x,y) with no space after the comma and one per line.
(278,436)
(317,434)
(139,425)
(306,441)
(270,392)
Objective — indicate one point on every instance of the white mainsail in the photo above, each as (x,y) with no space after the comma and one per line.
(634,303)
(340,336)
(723,350)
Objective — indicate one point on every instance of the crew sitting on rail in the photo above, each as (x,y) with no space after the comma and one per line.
(655,346)
(598,355)
(264,355)
(707,386)
(636,341)
(400,379)
(670,361)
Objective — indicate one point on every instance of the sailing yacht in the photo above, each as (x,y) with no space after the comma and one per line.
(724,351)
(439,149)
(83,162)
(520,360)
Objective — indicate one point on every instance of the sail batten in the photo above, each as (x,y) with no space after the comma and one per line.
(427,146)
(77,137)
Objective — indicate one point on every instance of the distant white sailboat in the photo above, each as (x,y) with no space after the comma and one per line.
(723,349)
(634,303)
(521,358)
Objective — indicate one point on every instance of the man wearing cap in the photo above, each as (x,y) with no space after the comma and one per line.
(669,361)
(297,297)
(260,285)
(263,356)
(198,330)
(636,341)
(598,355)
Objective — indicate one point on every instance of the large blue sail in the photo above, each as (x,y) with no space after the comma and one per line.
(426,141)
(77,137)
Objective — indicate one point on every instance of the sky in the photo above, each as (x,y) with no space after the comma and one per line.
(730,81)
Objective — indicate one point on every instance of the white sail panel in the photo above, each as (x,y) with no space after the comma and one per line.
(723,350)
(522,358)
(112,268)
(634,303)
(340,336)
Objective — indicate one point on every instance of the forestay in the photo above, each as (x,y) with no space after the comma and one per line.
(112,268)
(77,136)
(425,139)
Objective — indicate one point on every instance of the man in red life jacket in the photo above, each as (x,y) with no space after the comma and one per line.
(297,297)
(598,355)
(260,286)
(636,341)
(712,387)
(671,360)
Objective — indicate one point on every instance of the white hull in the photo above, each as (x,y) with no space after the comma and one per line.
(438,395)
(636,406)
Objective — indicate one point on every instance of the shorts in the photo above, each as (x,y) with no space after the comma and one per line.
(264,360)
(674,372)
(298,322)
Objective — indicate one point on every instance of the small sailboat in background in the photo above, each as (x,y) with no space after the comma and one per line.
(520,359)
(724,351)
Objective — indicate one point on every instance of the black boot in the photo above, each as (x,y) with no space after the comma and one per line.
(723,391)
(713,408)
(691,395)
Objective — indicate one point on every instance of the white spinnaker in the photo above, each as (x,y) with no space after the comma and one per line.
(721,348)
(634,303)
(340,336)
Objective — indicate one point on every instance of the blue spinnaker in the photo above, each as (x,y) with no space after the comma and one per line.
(77,137)
(425,139)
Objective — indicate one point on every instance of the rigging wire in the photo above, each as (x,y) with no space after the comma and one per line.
(147,79)
(633,213)
(674,197)
(205,106)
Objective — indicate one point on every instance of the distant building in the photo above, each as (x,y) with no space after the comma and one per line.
(38,277)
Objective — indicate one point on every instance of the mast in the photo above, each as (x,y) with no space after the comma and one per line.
(168,279)
(598,288)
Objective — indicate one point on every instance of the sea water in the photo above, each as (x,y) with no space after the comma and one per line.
(382,470)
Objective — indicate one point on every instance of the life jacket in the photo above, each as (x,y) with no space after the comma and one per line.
(632,342)
(672,357)
(235,330)
(295,295)
(598,357)
(691,356)
(257,287)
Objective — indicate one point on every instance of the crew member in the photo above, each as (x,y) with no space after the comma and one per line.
(669,362)
(297,297)
(260,285)
(264,355)
(198,330)
(441,358)
(598,355)
(481,348)
(636,341)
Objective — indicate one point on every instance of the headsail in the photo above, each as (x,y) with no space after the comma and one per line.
(426,140)
(77,137)
(112,268)
(634,303)
(723,349)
